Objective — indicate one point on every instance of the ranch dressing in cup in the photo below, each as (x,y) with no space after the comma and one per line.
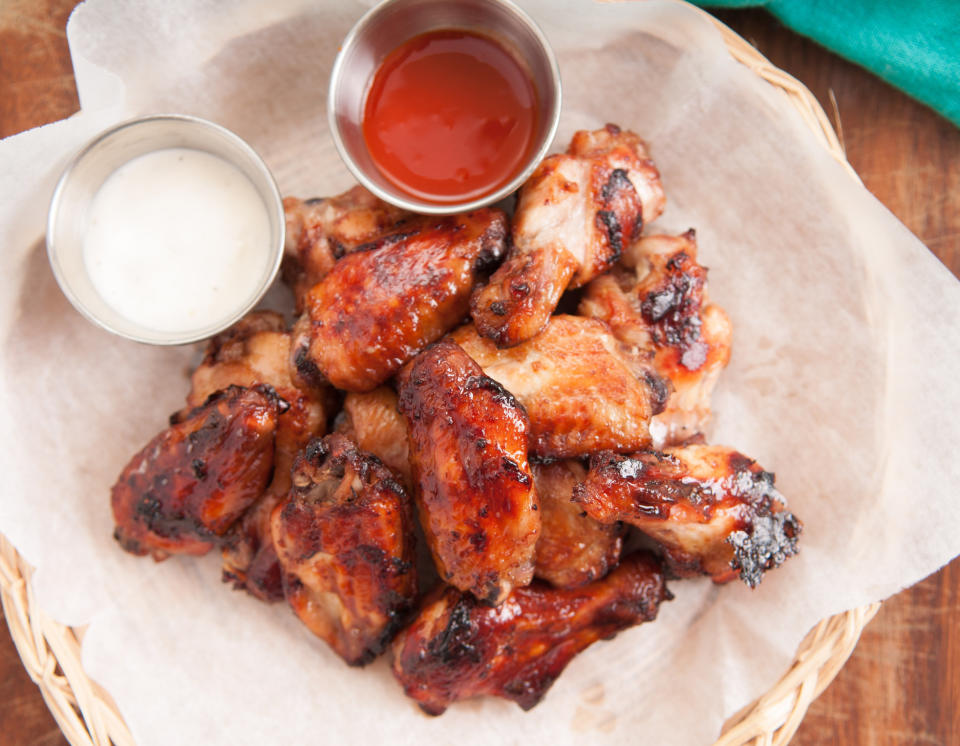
(176,238)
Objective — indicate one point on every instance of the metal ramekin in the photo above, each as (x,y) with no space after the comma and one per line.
(90,168)
(393,22)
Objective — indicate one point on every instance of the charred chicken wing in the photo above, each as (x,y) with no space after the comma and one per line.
(189,484)
(576,214)
(713,510)
(458,647)
(582,389)
(257,350)
(320,231)
(656,302)
(573,549)
(385,302)
(345,541)
(474,489)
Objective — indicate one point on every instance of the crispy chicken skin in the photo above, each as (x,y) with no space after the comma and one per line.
(713,510)
(382,304)
(189,484)
(582,389)
(373,421)
(344,537)
(575,215)
(320,231)
(656,302)
(474,488)
(573,549)
(257,350)
(459,648)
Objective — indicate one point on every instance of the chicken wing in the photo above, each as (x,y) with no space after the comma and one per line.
(380,306)
(344,537)
(373,421)
(576,214)
(474,489)
(656,302)
(189,484)
(320,231)
(582,389)
(573,549)
(257,350)
(459,648)
(713,510)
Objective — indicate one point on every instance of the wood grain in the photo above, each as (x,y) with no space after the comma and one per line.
(902,685)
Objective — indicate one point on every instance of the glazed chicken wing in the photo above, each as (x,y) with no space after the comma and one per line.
(474,489)
(657,303)
(576,214)
(320,231)
(713,510)
(257,350)
(582,389)
(345,541)
(188,485)
(381,305)
(459,648)
(374,423)
(573,548)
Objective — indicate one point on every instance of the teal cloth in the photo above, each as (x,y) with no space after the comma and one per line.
(913,44)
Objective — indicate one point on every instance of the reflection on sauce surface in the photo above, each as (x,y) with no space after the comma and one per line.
(450,115)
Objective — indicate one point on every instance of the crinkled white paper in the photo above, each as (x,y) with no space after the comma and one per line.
(843,381)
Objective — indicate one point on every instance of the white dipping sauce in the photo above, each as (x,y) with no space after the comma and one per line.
(176,240)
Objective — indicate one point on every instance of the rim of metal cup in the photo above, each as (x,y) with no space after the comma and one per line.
(275,209)
(435,208)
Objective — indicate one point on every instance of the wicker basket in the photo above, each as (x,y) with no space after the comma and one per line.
(88,716)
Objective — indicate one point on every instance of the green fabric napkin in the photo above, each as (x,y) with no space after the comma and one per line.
(913,44)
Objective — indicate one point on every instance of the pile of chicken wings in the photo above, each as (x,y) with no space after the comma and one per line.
(432,458)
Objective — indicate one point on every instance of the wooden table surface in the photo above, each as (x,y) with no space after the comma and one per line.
(902,685)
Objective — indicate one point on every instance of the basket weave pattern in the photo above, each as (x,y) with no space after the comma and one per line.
(88,716)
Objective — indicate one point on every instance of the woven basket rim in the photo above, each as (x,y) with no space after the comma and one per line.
(88,716)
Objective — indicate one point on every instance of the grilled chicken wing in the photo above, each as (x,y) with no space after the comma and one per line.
(257,350)
(573,549)
(459,648)
(320,231)
(657,303)
(714,510)
(373,421)
(576,213)
(189,484)
(582,389)
(474,489)
(345,541)
(381,305)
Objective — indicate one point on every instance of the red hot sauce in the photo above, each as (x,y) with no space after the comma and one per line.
(451,115)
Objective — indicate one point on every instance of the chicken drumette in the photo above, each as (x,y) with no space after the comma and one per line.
(576,214)
(458,647)
(713,510)
(474,489)
(191,483)
(344,537)
(655,301)
(382,304)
